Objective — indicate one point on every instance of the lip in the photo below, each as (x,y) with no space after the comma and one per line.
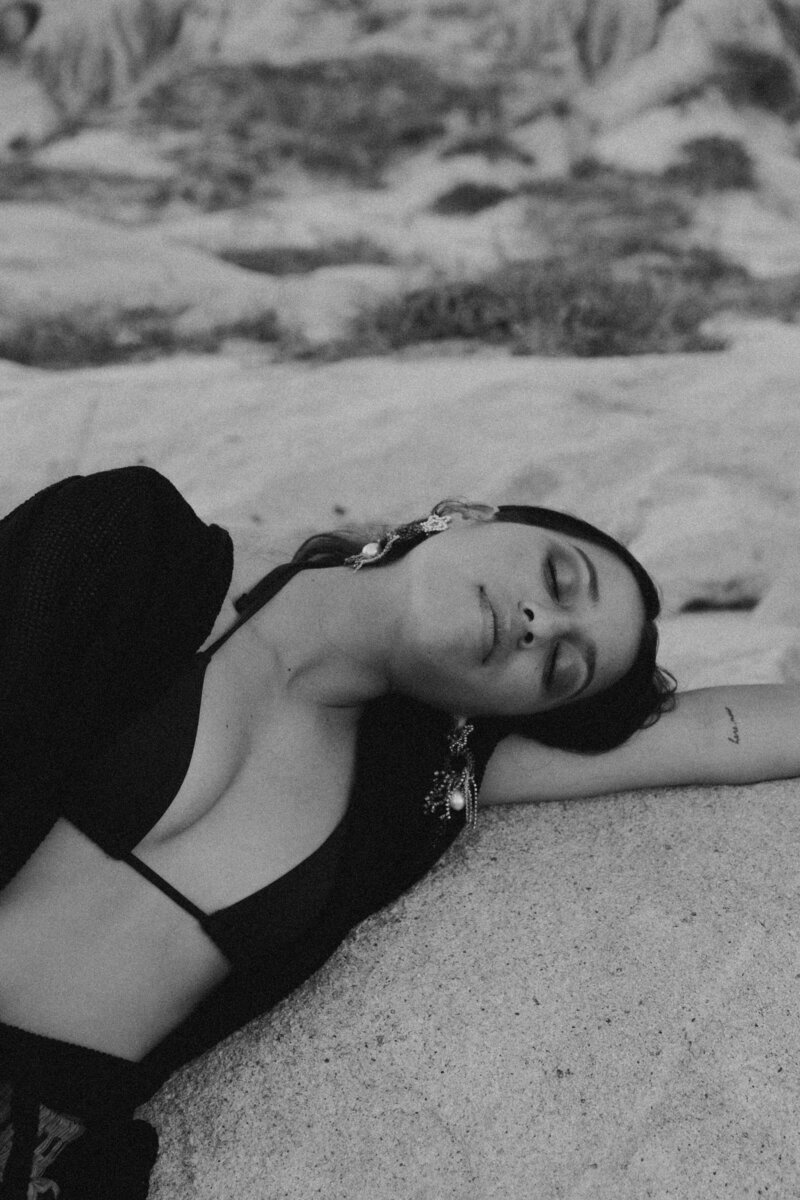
(489,639)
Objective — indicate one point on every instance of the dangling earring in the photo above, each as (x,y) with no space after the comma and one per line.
(454,786)
(373,552)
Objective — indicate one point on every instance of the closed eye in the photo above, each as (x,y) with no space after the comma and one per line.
(552,663)
(552,578)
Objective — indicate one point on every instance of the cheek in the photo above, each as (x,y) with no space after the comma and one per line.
(443,619)
(620,656)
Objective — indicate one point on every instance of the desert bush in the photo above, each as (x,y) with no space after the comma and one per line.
(85,338)
(93,337)
(463,199)
(607,213)
(342,116)
(712,164)
(609,317)
(706,267)
(552,308)
(750,76)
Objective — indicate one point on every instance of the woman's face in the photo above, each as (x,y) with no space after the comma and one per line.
(506,619)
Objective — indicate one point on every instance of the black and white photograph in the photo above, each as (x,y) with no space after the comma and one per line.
(399,599)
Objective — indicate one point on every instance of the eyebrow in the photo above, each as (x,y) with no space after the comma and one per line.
(594,591)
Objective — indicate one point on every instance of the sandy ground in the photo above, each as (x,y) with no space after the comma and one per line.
(594,1000)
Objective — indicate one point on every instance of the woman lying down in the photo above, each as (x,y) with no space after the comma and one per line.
(211,772)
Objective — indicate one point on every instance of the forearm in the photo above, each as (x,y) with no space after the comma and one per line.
(738,734)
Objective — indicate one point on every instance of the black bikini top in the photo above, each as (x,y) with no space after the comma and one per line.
(119,799)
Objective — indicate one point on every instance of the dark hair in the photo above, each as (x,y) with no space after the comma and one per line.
(591,725)
(608,718)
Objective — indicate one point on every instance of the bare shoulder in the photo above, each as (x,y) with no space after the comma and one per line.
(254,556)
(255,553)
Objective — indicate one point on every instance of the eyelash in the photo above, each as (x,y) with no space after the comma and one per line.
(550,670)
(551,568)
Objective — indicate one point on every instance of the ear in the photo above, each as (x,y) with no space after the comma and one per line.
(18,19)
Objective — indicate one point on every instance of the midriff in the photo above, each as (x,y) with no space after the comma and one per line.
(91,952)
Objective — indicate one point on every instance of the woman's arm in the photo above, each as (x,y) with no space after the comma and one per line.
(714,735)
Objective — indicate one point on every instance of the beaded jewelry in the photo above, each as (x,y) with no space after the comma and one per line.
(373,552)
(454,787)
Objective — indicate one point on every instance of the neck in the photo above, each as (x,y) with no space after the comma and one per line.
(331,630)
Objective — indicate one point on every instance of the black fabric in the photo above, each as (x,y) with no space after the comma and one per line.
(85,1083)
(389,844)
(129,785)
(69,1117)
(110,1162)
(110,583)
(24,1127)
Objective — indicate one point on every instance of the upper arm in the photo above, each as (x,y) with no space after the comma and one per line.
(732,735)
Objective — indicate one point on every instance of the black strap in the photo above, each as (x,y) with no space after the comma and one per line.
(163,886)
(249,603)
(246,605)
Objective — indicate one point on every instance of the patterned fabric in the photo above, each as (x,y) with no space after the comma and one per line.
(67,1161)
(54,1133)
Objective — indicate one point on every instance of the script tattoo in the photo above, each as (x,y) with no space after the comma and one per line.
(735,735)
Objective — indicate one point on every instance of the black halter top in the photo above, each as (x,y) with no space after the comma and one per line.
(129,786)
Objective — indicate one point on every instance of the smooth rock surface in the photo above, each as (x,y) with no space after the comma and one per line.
(593,1000)
(105,152)
(53,261)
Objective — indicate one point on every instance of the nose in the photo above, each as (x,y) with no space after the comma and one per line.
(540,625)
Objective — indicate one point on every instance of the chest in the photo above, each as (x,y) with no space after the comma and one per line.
(83,938)
(267,783)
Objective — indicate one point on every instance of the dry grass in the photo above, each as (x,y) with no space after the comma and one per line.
(93,337)
(548,308)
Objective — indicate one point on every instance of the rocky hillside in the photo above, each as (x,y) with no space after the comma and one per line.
(332,179)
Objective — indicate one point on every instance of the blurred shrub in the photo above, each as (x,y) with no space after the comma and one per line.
(464,199)
(93,337)
(552,308)
(750,76)
(342,116)
(712,164)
